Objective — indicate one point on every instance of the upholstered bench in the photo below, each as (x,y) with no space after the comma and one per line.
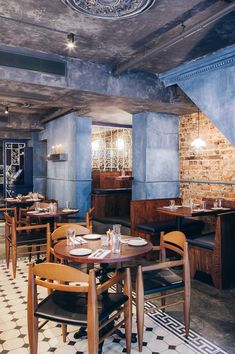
(190,227)
(206,241)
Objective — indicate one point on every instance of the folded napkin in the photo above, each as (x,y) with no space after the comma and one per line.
(100,253)
(79,240)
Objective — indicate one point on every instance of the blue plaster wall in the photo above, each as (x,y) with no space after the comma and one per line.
(155,149)
(70,180)
(214,94)
(210,83)
(39,164)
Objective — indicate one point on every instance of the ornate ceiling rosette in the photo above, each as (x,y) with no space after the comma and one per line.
(110,9)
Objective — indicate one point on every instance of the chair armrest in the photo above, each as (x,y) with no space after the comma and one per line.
(162,265)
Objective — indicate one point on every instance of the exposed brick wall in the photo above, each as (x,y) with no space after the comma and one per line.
(216,162)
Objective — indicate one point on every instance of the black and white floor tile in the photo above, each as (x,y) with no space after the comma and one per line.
(163,334)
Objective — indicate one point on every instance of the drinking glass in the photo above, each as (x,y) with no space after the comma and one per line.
(116,239)
(172,204)
(37,206)
(215,204)
(66,204)
(70,237)
(203,204)
(105,240)
(219,203)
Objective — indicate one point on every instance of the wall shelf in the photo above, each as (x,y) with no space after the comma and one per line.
(57,157)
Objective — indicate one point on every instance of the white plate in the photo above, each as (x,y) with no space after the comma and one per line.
(92,237)
(68,210)
(80,251)
(216,208)
(137,242)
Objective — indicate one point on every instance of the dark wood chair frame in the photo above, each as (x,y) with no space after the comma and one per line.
(67,279)
(26,248)
(174,241)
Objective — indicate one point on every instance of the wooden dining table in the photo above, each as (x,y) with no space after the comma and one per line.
(127,252)
(181,212)
(49,216)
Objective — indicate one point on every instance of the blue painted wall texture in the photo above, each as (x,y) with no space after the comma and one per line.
(210,83)
(155,152)
(70,180)
(39,164)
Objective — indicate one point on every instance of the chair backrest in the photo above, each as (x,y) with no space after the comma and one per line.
(61,277)
(176,241)
(4,208)
(61,233)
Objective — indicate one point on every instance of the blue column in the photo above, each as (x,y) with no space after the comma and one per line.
(70,180)
(39,164)
(155,166)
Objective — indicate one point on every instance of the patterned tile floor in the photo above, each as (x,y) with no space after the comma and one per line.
(163,334)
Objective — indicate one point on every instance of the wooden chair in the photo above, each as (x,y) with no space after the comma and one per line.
(214,253)
(61,233)
(74,292)
(4,208)
(161,278)
(87,222)
(23,240)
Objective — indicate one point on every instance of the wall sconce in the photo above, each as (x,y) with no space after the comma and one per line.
(57,153)
(198,143)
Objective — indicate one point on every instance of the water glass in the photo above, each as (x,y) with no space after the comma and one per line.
(219,203)
(66,204)
(215,204)
(37,206)
(203,204)
(172,204)
(70,237)
(116,239)
(105,240)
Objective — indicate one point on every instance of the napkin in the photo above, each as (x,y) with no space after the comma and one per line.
(79,240)
(101,254)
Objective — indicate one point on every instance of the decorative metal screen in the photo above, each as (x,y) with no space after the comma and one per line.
(14,165)
(111,148)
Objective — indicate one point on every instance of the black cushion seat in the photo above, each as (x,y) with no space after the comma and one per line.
(189,226)
(206,241)
(71,308)
(27,238)
(161,280)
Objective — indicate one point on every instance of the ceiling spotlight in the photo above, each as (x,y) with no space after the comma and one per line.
(70,41)
(6,110)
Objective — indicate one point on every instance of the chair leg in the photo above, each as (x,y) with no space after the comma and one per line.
(140,307)
(128,316)
(7,252)
(30,255)
(33,335)
(14,260)
(64,331)
(163,300)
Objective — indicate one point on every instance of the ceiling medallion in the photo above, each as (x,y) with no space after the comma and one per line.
(110,9)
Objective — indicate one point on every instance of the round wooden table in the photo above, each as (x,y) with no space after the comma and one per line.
(127,253)
(51,217)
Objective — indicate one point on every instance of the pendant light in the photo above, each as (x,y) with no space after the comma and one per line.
(198,143)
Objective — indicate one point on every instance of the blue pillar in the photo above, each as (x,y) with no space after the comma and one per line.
(39,164)
(70,180)
(155,165)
